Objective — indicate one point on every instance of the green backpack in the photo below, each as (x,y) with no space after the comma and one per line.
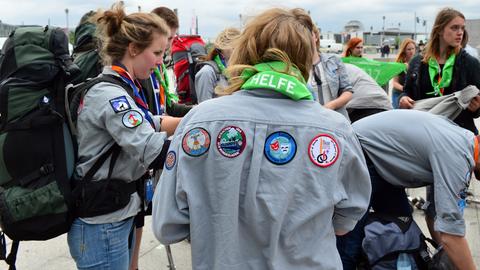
(37,153)
(85,52)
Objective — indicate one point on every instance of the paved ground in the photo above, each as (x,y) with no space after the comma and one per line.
(54,255)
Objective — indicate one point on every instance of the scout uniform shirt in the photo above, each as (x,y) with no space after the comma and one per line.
(260,181)
(413,149)
(109,115)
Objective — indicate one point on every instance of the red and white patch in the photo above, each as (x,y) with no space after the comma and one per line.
(323,150)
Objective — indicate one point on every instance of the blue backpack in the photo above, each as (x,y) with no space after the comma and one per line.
(386,237)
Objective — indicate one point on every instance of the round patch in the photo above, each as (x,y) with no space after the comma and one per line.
(323,150)
(196,142)
(132,119)
(280,148)
(170,160)
(231,141)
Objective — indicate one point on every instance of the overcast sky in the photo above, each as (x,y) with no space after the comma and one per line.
(330,15)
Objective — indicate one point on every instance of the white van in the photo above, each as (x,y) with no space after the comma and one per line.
(330,46)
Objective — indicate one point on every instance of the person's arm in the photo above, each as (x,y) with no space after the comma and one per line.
(353,186)
(450,178)
(396,83)
(406,100)
(169,124)
(339,102)
(170,209)
(473,79)
(458,251)
(178,110)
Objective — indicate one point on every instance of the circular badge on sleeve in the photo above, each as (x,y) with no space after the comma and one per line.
(196,142)
(280,148)
(170,160)
(231,141)
(132,119)
(323,150)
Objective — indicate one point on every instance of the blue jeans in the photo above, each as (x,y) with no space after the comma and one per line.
(101,246)
(385,198)
(395,100)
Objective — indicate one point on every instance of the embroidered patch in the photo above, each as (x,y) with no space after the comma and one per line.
(462,202)
(231,141)
(196,142)
(132,119)
(120,104)
(280,148)
(170,160)
(323,150)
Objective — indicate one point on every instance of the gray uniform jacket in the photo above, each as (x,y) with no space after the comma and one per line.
(110,115)
(449,106)
(205,82)
(432,150)
(334,79)
(260,181)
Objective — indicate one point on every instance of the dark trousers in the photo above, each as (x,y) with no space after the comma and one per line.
(385,198)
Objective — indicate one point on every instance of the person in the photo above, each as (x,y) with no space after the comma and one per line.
(406,53)
(444,67)
(257,190)
(212,71)
(421,47)
(385,50)
(399,158)
(160,101)
(354,47)
(368,97)
(329,80)
(114,123)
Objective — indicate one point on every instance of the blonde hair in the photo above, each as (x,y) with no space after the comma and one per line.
(402,51)
(444,17)
(117,30)
(274,35)
(223,41)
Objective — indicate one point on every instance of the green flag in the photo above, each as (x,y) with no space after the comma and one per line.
(381,72)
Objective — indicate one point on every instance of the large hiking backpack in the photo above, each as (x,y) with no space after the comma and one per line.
(36,149)
(85,52)
(186,51)
(386,237)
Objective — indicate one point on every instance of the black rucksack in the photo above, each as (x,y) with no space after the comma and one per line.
(386,237)
(36,149)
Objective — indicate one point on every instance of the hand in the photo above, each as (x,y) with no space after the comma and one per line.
(474,104)
(169,124)
(406,102)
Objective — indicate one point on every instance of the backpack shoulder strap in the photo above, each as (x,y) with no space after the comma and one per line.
(214,66)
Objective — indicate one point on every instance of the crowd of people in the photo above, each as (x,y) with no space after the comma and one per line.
(285,154)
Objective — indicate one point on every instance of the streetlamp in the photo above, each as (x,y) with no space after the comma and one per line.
(383,31)
(66,14)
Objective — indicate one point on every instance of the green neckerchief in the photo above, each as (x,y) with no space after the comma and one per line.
(447,73)
(271,75)
(219,63)
(381,72)
(165,82)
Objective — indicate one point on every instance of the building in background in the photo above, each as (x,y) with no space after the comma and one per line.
(473,28)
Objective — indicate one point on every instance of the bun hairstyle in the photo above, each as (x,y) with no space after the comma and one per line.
(274,35)
(117,30)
